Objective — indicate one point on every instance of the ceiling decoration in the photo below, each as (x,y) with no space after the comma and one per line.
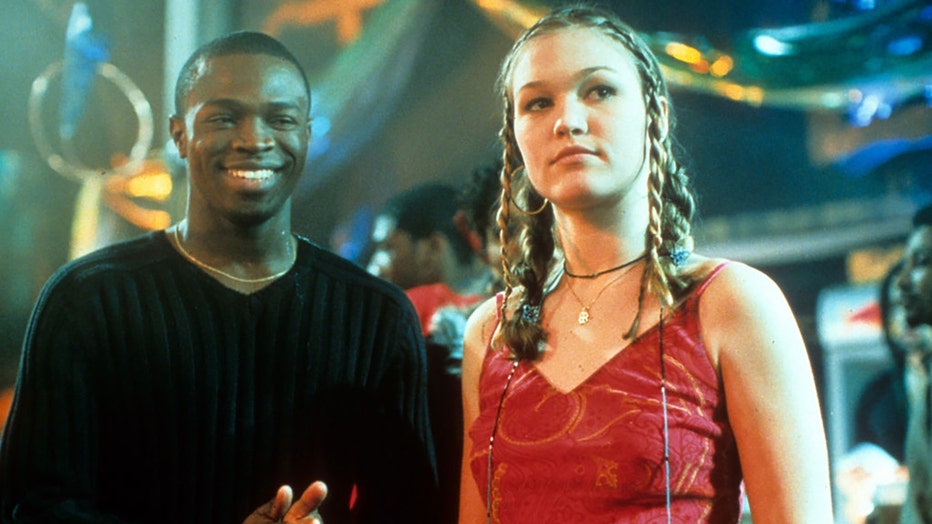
(357,89)
(865,64)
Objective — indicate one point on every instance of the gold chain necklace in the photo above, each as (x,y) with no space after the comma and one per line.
(584,315)
(191,258)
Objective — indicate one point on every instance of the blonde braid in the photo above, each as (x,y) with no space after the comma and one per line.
(658,284)
(670,204)
(525,258)
(502,218)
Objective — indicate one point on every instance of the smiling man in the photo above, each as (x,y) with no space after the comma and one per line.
(196,373)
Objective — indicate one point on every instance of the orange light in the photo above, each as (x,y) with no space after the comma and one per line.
(701,67)
(154,186)
(683,52)
(722,66)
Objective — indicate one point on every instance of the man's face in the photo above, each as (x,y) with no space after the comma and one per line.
(399,258)
(915,280)
(244,134)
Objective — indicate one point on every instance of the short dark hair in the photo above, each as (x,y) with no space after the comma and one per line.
(239,42)
(481,196)
(428,208)
(923,217)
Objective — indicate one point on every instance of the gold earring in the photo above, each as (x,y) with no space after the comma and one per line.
(531,213)
(525,211)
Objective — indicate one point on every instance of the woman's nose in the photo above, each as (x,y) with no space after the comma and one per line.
(571,119)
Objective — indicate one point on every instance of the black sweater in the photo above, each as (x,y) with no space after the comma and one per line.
(149,392)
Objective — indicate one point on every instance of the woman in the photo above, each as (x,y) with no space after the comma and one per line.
(620,378)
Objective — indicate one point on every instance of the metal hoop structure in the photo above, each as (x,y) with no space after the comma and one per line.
(69,166)
(514,202)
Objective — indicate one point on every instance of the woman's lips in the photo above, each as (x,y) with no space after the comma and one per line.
(573,154)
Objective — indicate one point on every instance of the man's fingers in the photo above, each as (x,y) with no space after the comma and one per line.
(309,502)
(281,503)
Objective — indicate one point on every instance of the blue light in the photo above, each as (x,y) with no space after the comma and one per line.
(769,45)
(906,45)
(320,126)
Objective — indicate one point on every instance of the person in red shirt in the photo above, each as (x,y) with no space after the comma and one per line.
(424,246)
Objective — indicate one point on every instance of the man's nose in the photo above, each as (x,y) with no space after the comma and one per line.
(254,135)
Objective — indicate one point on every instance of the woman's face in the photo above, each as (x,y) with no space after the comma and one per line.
(580,118)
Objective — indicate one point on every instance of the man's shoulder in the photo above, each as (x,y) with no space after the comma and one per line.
(344,272)
(124,256)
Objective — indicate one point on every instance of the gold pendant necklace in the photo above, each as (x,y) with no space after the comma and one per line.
(203,265)
(584,315)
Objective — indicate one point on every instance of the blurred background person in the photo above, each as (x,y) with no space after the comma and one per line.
(881,412)
(419,247)
(915,285)
(871,475)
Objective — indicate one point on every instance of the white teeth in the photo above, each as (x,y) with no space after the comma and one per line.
(260,175)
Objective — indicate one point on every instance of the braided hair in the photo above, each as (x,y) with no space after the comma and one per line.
(527,259)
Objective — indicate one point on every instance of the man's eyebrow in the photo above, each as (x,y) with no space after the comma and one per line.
(232,102)
(284,105)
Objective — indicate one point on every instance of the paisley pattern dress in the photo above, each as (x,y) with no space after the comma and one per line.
(595,454)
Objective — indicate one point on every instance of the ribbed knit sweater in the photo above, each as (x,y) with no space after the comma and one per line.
(149,392)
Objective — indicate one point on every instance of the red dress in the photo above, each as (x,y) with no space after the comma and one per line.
(595,454)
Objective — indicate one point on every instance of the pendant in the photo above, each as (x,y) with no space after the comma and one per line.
(583,316)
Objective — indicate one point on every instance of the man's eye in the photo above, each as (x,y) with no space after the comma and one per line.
(283,122)
(220,119)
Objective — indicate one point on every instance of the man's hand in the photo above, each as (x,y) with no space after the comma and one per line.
(280,508)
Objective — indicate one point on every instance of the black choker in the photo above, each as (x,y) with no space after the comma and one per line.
(600,273)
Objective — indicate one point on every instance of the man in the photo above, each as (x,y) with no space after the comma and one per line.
(195,374)
(915,284)
(426,248)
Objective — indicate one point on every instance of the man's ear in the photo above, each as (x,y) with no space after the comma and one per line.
(179,135)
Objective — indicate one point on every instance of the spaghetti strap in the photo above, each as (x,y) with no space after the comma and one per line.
(708,278)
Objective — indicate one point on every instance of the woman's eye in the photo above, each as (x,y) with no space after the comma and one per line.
(536,104)
(602,92)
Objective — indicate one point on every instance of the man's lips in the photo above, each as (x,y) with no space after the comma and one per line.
(252,175)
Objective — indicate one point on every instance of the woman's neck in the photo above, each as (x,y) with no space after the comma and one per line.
(593,241)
